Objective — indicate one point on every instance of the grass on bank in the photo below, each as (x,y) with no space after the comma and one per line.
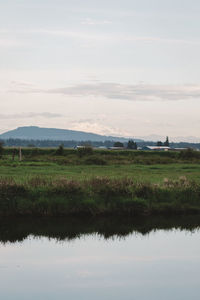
(97,196)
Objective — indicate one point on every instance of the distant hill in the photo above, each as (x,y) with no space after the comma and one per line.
(39,133)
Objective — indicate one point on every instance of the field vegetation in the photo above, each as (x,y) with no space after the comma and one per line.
(98,182)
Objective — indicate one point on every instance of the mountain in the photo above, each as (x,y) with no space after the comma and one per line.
(39,133)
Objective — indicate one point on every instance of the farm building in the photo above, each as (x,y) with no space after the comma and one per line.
(156,148)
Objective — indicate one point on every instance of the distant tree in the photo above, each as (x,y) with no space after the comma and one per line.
(166,143)
(84,151)
(159,144)
(60,150)
(132,145)
(118,144)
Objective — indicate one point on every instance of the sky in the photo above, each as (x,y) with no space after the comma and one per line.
(115,67)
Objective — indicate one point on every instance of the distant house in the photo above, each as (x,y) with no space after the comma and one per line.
(83,146)
(156,148)
(116,148)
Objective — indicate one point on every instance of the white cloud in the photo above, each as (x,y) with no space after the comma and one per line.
(99,127)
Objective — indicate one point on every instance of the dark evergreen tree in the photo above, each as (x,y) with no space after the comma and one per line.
(159,144)
(166,143)
(118,144)
(60,150)
(132,145)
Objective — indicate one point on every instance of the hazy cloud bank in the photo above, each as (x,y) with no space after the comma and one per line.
(138,92)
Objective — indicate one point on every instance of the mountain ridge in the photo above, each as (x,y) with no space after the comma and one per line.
(46,133)
(43,133)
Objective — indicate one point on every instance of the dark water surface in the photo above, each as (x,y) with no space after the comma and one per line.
(71,258)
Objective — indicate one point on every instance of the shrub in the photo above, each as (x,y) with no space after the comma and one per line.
(188,154)
(95,160)
(60,150)
(83,151)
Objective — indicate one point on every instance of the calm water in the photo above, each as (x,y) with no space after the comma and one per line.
(63,262)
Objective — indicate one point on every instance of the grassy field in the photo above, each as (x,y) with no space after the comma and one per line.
(85,164)
(140,173)
(47,182)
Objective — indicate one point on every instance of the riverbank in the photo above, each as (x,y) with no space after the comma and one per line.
(98,196)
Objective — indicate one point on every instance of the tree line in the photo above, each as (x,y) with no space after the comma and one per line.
(131,144)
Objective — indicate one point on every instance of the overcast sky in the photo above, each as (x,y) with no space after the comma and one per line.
(120,67)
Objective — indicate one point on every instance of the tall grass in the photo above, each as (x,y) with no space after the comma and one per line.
(97,196)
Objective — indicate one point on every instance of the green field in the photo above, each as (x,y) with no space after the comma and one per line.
(140,173)
(47,182)
(85,164)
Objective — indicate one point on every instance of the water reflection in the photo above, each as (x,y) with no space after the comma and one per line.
(69,228)
(109,259)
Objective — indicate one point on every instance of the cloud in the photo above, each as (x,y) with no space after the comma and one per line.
(111,90)
(97,126)
(140,92)
(30,115)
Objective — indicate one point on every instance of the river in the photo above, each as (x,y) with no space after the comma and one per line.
(149,258)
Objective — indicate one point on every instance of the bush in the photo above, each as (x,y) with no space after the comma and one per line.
(83,151)
(95,160)
(188,154)
(60,150)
